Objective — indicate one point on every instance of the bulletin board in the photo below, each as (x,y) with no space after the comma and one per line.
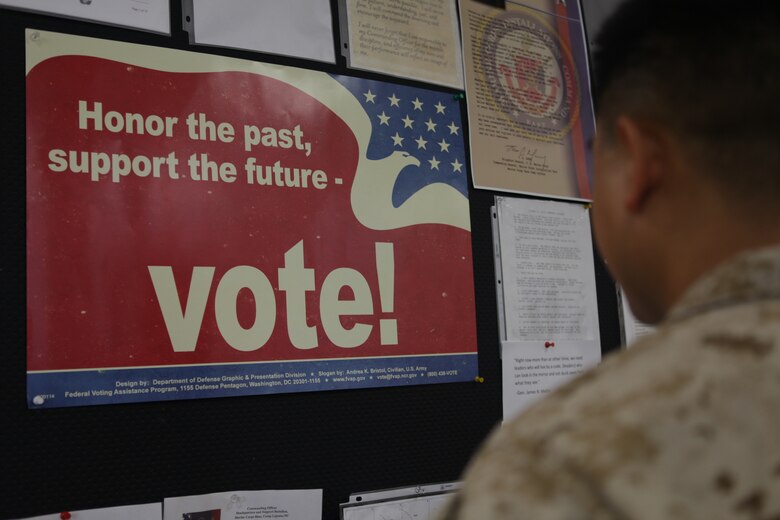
(342,441)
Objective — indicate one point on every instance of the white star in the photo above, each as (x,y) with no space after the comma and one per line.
(394,100)
(453,128)
(421,143)
(407,121)
(431,125)
(383,119)
(417,104)
(397,139)
(369,96)
(444,145)
(434,163)
(439,107)
(456,166)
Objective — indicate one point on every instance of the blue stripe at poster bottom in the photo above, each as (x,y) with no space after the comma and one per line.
(130,385)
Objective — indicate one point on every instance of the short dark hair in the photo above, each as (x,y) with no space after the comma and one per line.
(707,70)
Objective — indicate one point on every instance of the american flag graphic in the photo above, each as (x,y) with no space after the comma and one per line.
(424,123)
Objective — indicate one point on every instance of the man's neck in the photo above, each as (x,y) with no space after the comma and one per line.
(699,247)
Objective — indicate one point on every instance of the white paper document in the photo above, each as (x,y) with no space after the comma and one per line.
(532,369)
(546,278)
(299,504)
(136,512)
(147,15)
(419,503)
(298,28)
(632,329)
(418,40)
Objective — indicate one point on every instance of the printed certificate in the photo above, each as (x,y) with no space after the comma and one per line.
(529,105)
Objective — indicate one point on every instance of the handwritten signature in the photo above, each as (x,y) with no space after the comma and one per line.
(529,154)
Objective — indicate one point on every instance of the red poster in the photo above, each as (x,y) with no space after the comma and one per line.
(201,226)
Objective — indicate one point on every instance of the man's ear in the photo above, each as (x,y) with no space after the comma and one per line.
(647,166)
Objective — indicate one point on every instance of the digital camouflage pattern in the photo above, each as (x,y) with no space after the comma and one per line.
(685,424)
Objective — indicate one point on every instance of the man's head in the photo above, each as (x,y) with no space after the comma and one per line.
(688,146)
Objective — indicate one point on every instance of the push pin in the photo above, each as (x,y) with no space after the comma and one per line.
(64,515)
(38,400)
(479,379)
(549,344)
(459,96)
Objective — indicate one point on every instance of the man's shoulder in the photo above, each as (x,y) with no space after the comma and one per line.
(686,410)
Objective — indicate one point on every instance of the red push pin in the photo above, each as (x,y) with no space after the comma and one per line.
(549,344)
(64,515)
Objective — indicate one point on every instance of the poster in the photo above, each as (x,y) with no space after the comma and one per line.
(529,104)
(202,226)
(417,40)
(298,28)
(136,512)
(286,504)
(147,15)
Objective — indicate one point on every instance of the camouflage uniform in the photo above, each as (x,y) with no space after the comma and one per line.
(686,424)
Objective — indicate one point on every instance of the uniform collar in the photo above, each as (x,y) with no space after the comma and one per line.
(749,276)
